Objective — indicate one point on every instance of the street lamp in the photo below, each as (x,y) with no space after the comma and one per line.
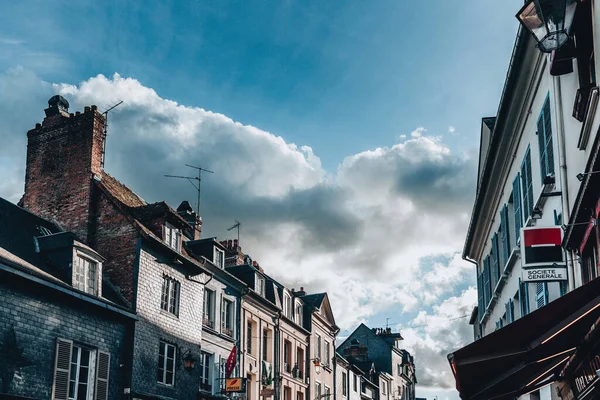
(188,360)
(549,21)
(317,363)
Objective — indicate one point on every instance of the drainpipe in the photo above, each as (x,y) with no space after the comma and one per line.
(476,264)
(566,207)
(277,375)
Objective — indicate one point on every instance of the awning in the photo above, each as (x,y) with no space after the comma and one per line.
(528,352)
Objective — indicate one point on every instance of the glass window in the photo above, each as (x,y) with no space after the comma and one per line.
(318,347)
(172,236)
(354,383)
(204,367)
(219,258)
(81,383)
(86,276)
(227,317)
(265,344)
(170,295)
(344,383)
(209,308)
(298,313)
(166,364)
(327,359)
(249,337)
(260,285)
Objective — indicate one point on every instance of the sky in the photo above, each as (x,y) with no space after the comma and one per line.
(342,134)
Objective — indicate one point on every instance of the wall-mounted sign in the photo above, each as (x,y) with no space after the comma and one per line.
(235,384)
(541,247)
(267,392)
(547,274)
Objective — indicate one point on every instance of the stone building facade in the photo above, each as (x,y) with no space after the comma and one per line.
(59,336)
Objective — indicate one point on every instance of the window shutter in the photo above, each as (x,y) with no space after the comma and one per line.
(541,294)
(223,316)
(495,260)
(102,374)
(548,138)
(542,145)
(517,206)
(529,184)
(563,288)
(486,281)
(62,369)
(480,304)
(505,234)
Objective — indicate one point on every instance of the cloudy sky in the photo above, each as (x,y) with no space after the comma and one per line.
(343,134)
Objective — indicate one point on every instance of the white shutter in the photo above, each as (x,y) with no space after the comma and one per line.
(102,374)
(62,368)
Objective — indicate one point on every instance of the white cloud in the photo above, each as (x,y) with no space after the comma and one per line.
(451,129)
(359,233)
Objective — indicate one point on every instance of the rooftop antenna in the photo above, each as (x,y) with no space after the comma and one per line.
(194,178)
(237,225)
(109,109)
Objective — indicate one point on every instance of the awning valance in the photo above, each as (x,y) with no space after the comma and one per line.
(528,352)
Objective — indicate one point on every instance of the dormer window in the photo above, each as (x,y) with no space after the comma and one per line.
(260,285)
(85,275)
(299,313)
(219,258)
(287,305)
(172,236)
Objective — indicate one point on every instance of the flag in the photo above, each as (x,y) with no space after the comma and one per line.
(231,362)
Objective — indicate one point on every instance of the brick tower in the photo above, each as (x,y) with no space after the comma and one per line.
(64,153)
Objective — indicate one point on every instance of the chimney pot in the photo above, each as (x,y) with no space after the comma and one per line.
(302,288)
(86,109)
(94,108)
(229,244)
(77,113)
(38,125)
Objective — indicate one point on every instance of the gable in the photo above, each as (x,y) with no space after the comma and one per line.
(326,311)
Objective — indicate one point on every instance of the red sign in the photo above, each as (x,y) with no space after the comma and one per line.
(231,362)
(541,247)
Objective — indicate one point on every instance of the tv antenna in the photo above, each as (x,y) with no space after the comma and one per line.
(109,109)
(191,179)
(237,225)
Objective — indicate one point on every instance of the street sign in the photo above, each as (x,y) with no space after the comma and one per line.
(235,384)
(547,274)
(541,247)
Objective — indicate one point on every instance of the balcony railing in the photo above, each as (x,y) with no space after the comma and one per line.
(206,321)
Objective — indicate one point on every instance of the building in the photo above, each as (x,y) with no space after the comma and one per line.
(142,243)
(533,231)
(319,315)
(221,318)
(383,348)
(63,334)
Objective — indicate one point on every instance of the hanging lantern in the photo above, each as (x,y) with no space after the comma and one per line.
(317,364)
(549,21)
(189,361)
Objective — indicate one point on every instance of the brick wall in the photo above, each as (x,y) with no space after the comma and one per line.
(40,316)
(62,155)
(184,330)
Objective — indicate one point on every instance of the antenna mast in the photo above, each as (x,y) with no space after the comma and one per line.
(194,178)
(106,129)
(237,225)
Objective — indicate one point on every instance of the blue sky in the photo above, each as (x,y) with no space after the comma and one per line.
(343,77)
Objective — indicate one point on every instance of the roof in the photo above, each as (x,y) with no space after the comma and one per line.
(155,210)
(314,300)
(530,351)
(121,192)
(18,229)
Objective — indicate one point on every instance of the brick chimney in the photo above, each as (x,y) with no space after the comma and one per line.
(233,253)
(356,351)
(189,215)
(64,152)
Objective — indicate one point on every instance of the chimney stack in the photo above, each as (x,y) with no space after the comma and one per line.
(186,212)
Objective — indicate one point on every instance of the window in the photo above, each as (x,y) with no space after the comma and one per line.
(541,294)
(300,362)
(327,354)
(399,369)
(563,287)
(318,347)
(298,313)
(166,364)
(79,371)
(219,258)
(265,344)
(480,305)
(287,393)
(222,373)
(208,319)
(544,132)
(495,261)
(527,185)
(172,236)
(227,317)
(327,392)
(344,383)
(204,367)
(299,396)
(383,387)
(81,383)
(249,337)
(517,210)
(487,282)
(354,383)
(170,295)
(287,356)
(287,306)
(260,285)
(86,276)
(318,390)
(510,311)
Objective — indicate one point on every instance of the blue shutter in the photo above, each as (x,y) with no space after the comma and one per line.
(549,150)
(516,195)
(526,184)
(563,287)
(486,281)
(542,145)
(541,294)
(505,235)
(495,260)
(524,297)
(480,296)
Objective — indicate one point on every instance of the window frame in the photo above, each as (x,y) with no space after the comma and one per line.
(91,367)
(260,285)
(298,314)
(545,140)
(172,236)
(227,316)
(204,364)
(220,264)
(344,383)
(164,346)
(209,305)
(249,334)
(170,300)
(318,346)
(84,285)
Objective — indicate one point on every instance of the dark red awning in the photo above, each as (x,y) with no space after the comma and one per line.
(528,352)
